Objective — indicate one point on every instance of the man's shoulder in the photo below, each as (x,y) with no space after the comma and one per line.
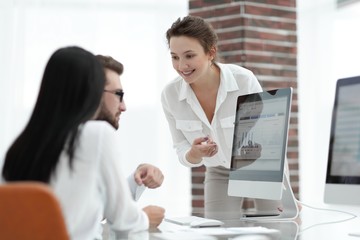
(95,132)
(97,126)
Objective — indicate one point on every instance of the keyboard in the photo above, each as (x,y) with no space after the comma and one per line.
(183,220)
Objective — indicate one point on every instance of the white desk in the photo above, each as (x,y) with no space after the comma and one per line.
(311,225)
(327,225)
(287,229)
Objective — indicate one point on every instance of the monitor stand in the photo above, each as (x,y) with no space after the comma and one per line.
(289,207)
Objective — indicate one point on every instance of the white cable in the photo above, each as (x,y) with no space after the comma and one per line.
(352,216)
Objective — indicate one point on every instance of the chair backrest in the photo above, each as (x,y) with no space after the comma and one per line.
(30,210)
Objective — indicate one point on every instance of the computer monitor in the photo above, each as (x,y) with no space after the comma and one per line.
(259,151)
(259,144)
(343,167)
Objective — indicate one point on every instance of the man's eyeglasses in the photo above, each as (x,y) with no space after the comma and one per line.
(118,93)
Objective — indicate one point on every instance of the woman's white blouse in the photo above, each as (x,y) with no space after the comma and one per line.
(188,121)
(94,187)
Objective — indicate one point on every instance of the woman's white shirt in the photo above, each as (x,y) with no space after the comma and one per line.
(94,187)
(188,121)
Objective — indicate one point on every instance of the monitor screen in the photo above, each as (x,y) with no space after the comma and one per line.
(259,144)
(343,168)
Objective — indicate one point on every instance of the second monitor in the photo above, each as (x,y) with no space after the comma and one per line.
(343,169)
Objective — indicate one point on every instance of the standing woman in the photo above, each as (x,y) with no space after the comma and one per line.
(78,158)
(200,108)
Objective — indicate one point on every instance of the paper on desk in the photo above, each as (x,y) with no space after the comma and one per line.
(218,231)
(210,233)
(252,230)
(182,235)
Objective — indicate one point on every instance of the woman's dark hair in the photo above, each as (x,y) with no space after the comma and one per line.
(70,93)
(194,27)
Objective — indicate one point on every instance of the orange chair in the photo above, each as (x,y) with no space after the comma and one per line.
(30,210)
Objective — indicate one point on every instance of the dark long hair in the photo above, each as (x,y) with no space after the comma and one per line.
(69,95)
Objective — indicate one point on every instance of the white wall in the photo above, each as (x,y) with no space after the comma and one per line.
(132,31)
(328,49)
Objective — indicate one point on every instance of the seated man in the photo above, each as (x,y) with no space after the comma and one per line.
(111,107)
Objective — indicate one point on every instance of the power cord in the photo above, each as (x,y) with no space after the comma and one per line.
(352,216)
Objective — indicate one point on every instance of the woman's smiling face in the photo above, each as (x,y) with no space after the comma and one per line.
(189,58)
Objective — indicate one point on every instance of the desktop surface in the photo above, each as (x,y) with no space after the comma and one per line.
(311,224)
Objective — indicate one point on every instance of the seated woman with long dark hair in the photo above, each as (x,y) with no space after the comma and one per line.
(78,158)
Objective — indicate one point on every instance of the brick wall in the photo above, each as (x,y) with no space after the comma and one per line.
(261,36)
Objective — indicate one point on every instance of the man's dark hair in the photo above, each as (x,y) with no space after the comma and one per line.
(111,63)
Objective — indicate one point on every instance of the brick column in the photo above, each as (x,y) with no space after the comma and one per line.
(259,35)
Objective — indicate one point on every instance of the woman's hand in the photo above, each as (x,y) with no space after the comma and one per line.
(201,147)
